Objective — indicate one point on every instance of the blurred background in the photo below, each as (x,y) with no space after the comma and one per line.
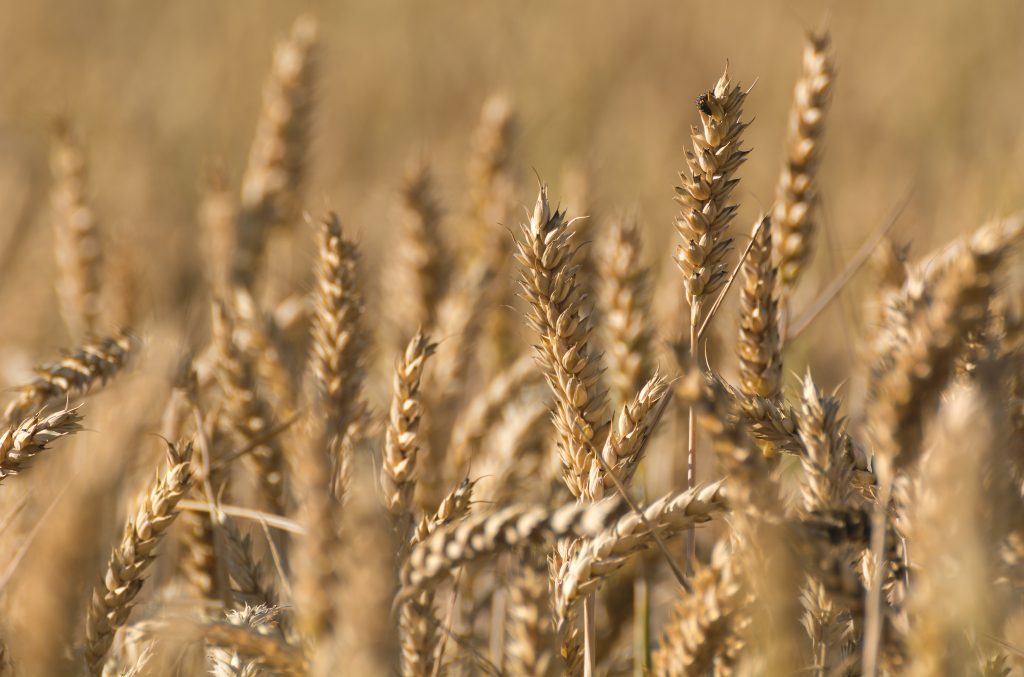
(928,98)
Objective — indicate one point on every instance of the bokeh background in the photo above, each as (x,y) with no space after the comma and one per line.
(928,99)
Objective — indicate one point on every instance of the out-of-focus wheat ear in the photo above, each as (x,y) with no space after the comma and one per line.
(402,439)
(316,562)
(123,285)
(706,187)
(227,662)
(705,634)
(21,443)
(921,366)
(828,470)
(624,297)
(485,410)
(623,448)
(74,374)
(112,600)
(422,263)
(339,337)
(247,633)
(274,174)
(247,414)
(460,320)
(530,646)
(548,278)
(797,193)
(76,234)
(218,224)
(578,193)
(417,624)
(250,585)
(491,158)
(952,597)
(759,346)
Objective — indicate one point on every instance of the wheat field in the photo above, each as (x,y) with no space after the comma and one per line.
(443,339)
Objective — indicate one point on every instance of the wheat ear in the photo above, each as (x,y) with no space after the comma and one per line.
(76,234)
(76,373)
(402,440)
(760,345)
(276,167)
(625,309)
(546,251)
(422,262)
(112,600)
(797,192)
(20,444)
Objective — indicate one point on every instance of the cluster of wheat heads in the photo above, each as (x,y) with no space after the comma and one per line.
(495,515)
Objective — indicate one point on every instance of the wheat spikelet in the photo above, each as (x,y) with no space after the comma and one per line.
(276,167)
(759,346)
(76,373)
(249,585)
(706,187)
(21,443)
(112,601)
(402,441)
(797,193)
(826,461)
(490,163)
(77,235)
(548,280)
(625,309)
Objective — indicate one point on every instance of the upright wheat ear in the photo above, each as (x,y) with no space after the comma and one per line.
(76,234)
(273,176)
(112,601)
(706,186)
(421,275)
(797,194)
(625,310)
(402,442)
(547,253)
(759,346)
